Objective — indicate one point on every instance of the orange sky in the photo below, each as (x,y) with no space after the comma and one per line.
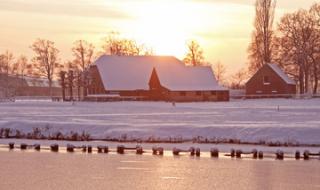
(223,27)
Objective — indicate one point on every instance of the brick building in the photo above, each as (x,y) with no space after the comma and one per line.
(270,80)
(161,78)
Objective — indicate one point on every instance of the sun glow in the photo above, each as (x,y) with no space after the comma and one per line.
(223,28)
(167,26)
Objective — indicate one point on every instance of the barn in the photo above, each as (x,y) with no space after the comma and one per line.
(160,78)
(270,80)
(13,86)
(36,86)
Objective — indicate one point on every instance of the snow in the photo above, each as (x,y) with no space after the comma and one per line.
(282,74)
(296,121)
(188,78)
(134,72)
(40,82)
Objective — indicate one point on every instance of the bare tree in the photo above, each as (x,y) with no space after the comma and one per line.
(6,67)
(23,67)
(7,63)
(194,55)
(45,61)
(260,49)
(219,71)
(2,63)
(297,46)
(62,76)
(115,45)
(238,79)
(83,54)
(315,14)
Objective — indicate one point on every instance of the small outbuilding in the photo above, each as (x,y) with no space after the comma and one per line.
(270,81)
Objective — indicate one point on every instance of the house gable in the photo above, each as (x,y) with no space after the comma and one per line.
(270,80)
(154,82)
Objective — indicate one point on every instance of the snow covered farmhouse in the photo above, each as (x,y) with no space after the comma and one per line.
(271,80)
(158,78)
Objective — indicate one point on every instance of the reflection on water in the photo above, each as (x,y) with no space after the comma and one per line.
(133,168)
(41,170)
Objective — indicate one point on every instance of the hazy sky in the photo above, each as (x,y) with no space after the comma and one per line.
(223,27)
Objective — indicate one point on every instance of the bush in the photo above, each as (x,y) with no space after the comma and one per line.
(85,136)
(7,132)
(56,136)
(19,134)
(74,136)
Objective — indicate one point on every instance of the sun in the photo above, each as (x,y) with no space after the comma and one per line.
(167,26)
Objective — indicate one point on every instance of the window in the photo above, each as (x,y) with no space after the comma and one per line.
(183,93)
(266,80)
(213,93)
(198,93)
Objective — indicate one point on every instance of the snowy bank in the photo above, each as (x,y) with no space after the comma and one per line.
(267,120)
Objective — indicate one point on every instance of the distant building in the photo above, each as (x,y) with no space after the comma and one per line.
(152,78)
(270,80)
(12,85)
(34,86)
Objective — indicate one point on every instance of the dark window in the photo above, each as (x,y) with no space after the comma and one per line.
(266,80)
(183,93)
(213,93)
(198,93)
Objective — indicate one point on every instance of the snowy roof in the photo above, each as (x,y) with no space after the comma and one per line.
(29,81)
(281,73)
(39,82)
(188,78)
(134,72)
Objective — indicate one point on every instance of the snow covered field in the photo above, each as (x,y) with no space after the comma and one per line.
(296,121)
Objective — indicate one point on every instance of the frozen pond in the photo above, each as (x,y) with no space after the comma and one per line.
(45,170)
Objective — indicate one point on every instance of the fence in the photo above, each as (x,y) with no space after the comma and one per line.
(260,96)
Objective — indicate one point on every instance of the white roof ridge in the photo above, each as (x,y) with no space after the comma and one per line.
(276,68)
(128,56)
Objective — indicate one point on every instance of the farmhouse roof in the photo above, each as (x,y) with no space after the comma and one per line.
(281,73)
(134,72)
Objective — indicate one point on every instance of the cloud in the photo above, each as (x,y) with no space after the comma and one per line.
(83,8)
(282,4)
(241,2)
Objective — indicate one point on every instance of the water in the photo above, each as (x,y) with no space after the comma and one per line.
(45,170)
(167,146)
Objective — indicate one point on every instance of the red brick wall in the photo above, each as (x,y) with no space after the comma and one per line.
(192,96)
(157,91)
(38,91)
(276,86)
(96,85)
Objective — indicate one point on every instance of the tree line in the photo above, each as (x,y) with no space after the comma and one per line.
(294,44)
(46,62)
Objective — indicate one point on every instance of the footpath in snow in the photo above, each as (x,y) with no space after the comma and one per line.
(265,120)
